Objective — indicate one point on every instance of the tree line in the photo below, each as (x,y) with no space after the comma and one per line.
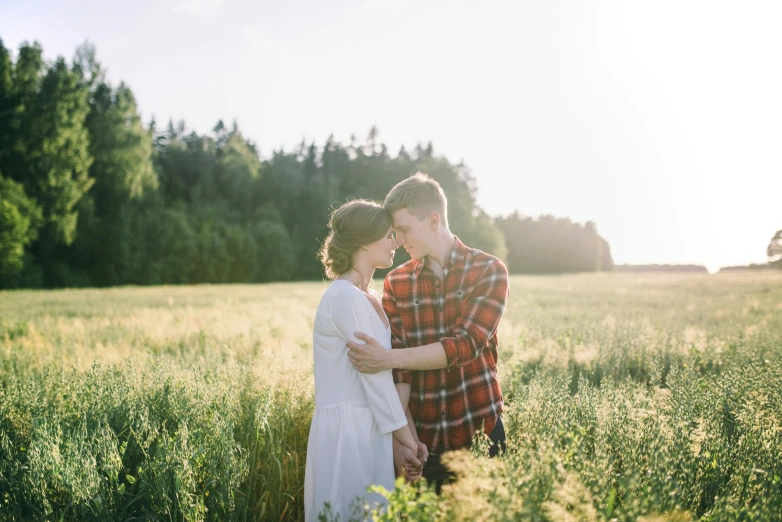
(90,196)
(661,268)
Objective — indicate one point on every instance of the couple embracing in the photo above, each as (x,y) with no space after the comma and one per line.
(380,410)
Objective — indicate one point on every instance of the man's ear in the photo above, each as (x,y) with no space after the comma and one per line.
(434,220)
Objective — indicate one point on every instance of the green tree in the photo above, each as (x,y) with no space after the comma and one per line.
(7,105)
(20,218)
(485,235)
(774,250)
(58,157)
(122,170)
(553,245)
(277,259)
(93,197)
(187,165)
(19,88)
(121,149)
(606,262)
(239,173)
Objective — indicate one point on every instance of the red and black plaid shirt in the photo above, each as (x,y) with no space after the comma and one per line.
(462,312)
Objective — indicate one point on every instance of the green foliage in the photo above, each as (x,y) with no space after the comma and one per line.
(120,147)
(58,159)
(124,204)
(549,245)
(7,105)
(19,87)
(239,171)
(774,250)
(20,219)
(414,501)
(634,397)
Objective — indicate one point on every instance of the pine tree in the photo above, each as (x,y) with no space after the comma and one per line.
(121,149)
(58,154)
(19,93)
(7,106)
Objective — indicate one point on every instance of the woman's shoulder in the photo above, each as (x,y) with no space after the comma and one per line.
(347,296)
(332,293)
(343,292)
(348,292)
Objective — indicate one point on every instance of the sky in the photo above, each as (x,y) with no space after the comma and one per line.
(660,121)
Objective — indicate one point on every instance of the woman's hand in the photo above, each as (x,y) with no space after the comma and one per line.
(406,463)
(423,452)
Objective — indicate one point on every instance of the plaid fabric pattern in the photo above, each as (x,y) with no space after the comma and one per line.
(462,312)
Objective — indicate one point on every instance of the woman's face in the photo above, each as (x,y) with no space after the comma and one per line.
(381,252)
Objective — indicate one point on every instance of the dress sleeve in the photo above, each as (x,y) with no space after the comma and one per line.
(351,312)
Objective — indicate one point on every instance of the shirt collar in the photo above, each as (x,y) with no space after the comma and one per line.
(456,259)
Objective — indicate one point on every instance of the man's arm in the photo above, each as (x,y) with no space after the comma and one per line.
(429,357)
(479,317)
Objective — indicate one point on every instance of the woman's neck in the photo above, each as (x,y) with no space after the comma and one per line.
(360,276)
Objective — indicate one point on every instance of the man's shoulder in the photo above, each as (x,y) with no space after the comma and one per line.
(480,260)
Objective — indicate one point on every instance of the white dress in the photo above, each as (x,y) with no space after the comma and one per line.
(350,442)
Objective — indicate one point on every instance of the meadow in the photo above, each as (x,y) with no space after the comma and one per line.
(628,397)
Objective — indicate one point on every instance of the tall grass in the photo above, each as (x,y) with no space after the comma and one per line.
(628,397)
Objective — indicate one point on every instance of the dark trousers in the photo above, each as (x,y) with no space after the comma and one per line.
(438,473)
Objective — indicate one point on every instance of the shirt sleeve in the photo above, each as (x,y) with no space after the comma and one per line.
(479,316)
(397,331)
(352,314)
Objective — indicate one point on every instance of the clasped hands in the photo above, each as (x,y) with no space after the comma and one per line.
(408,464)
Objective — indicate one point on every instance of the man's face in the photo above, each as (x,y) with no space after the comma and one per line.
(415,235)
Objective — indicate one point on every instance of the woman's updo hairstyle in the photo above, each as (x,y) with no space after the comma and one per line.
(351,226)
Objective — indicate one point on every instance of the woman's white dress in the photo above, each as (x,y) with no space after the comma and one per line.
(350,442)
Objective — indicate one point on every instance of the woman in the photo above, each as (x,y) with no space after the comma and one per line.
(356,415)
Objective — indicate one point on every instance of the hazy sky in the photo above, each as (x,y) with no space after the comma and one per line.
(659,120)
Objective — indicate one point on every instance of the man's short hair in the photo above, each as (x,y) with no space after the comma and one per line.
(420,195)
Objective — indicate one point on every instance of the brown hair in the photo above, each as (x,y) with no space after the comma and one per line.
(351,226)
(420,195)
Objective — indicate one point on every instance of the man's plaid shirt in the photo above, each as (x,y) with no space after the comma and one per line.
(462,312)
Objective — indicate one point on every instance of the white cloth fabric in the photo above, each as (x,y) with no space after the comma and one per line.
(350,441)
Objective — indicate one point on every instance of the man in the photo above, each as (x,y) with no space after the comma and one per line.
(444,306)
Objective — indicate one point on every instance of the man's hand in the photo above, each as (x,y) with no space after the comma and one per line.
(369,357)
(406,464)
(423,452)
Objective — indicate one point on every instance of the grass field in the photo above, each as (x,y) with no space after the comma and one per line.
(628,396)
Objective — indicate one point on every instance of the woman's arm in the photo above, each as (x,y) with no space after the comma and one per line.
(405,436)
(354,311)
(403,389)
